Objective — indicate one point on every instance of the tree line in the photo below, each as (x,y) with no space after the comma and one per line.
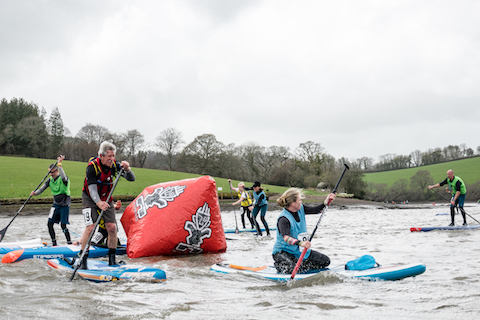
(25,130)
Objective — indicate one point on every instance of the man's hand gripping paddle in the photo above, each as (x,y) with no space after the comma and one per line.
(300,260)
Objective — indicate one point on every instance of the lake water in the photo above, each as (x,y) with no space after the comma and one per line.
(449,289)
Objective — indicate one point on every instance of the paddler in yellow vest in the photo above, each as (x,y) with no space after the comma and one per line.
(60,187)
(459,190)
(244,200)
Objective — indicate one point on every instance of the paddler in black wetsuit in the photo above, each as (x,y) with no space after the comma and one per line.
(292,234)
(459,190)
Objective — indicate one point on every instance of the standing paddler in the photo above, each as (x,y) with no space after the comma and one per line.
(100,176)
(60,187)
(459,190)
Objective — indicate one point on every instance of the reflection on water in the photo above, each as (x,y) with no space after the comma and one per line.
(448,289)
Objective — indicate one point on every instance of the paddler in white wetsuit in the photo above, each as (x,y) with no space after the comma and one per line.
(292,234)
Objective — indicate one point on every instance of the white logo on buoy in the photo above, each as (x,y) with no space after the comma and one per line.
(159,197)
(198,230)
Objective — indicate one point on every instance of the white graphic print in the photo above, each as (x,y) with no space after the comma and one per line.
(198,230)
(159,197)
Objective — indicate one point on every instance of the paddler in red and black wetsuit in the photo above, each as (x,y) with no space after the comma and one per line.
(101,173)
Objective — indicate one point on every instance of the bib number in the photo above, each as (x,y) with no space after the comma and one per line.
(87,215)
(304,236)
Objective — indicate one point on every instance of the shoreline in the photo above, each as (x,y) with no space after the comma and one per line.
(35,208)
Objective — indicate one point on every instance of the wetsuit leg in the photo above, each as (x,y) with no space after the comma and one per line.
(243,217)
(262,217)
(51,231)
(316,260)
(257,226)
(464,215)
(284,262)
(249,215)
(452,214)
(66,232)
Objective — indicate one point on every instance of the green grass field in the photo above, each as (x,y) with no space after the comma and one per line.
(20,175)
(467,169)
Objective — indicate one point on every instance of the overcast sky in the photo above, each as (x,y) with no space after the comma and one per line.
(362,78)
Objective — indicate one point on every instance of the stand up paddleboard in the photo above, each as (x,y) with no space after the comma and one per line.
(426,229)
(232,230)
(6,247)
(49,252)
(100,271)
(376,273)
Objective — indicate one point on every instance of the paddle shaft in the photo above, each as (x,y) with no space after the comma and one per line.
(300,260)
(2,232)
(85,250)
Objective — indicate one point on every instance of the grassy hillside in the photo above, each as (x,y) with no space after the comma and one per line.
(19,176)
(467,169)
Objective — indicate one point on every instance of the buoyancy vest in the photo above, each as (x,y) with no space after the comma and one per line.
(58,187)
(453,185)
(247,201)
(104,179)
(298,230)
(257,196)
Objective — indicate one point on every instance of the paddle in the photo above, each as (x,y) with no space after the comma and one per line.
(455,205)
(2,232)
(235,213)
(300,260)
(95,227)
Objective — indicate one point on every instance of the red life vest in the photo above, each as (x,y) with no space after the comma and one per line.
(104,180)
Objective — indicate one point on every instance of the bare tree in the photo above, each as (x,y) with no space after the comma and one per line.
(133,143)
(169,142)
(201,155)
(94,133)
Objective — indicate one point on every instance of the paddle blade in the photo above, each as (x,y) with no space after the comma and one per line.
(12,256)
(2,234)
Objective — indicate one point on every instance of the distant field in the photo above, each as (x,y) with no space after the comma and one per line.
(467,169)
(19,176)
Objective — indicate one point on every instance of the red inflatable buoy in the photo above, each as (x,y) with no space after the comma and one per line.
(175,218)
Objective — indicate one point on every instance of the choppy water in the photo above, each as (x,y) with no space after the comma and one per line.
(449,289)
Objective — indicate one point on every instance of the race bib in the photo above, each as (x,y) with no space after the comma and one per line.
(52,211)
(87,215)
(304,236)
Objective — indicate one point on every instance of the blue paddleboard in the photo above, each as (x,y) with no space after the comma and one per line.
(394,272)
(50,252)
(100,271)
(426,229)
(232,230)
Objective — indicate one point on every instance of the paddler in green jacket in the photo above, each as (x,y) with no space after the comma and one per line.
(60,186)
(459,190)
